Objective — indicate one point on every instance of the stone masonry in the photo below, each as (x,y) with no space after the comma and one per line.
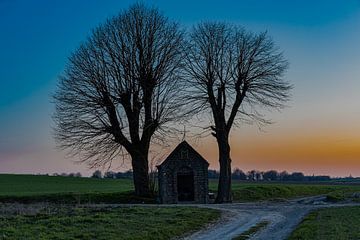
(183,176)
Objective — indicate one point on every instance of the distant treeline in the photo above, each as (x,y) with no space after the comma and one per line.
(237,174)
(271,175)
(99,174)
(78,174)
(113,175)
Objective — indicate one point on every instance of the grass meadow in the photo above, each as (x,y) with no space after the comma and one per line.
(330,224)
(106,223)
(249,192)
(31,188)
(57,189)
(25,185)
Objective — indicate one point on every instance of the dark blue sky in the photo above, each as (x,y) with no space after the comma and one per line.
(320,39)
(37,36)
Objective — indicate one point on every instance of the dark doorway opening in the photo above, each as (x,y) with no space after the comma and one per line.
(185,186)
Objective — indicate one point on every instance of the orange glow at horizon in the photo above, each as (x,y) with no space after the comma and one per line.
(336,154)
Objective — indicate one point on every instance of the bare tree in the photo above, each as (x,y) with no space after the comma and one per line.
(232,72)
(120,90)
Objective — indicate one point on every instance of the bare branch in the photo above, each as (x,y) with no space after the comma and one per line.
(121,87)
(232,72)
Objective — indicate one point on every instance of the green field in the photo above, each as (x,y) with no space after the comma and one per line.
(37,188)
(330,224)
(24,185)
(106,223)
(31,188)
(247,192)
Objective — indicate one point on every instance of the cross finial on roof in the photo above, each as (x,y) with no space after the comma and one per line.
(184,134)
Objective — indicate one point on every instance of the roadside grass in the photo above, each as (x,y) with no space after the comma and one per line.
(247,234)
(73,190)
(107,223)
(330,224)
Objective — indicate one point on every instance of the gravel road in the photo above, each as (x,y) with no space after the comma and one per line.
(283,217)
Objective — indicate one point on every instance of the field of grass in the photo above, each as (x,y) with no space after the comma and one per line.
(106,223)
(25,185)
(38,188)
(245,191)
(330,224)
(30,188)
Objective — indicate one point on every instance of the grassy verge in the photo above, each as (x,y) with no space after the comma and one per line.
(331,223)
(247,234)
(106,223)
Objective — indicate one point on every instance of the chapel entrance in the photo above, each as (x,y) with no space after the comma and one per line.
(185,186)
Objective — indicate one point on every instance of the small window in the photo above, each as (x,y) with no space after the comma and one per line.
(184,154)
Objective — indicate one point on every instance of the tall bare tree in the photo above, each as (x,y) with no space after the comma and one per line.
(232,72)
(120,89)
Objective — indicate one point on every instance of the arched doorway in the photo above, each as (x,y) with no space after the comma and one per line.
(185,184)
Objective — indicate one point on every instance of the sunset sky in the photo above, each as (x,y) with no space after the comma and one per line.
(319,133)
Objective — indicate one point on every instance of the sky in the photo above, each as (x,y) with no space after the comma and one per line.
(318,133)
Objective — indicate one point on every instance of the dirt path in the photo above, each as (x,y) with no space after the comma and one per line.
(282,217)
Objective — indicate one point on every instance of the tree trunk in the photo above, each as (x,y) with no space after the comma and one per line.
(140,173)
(224,187)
